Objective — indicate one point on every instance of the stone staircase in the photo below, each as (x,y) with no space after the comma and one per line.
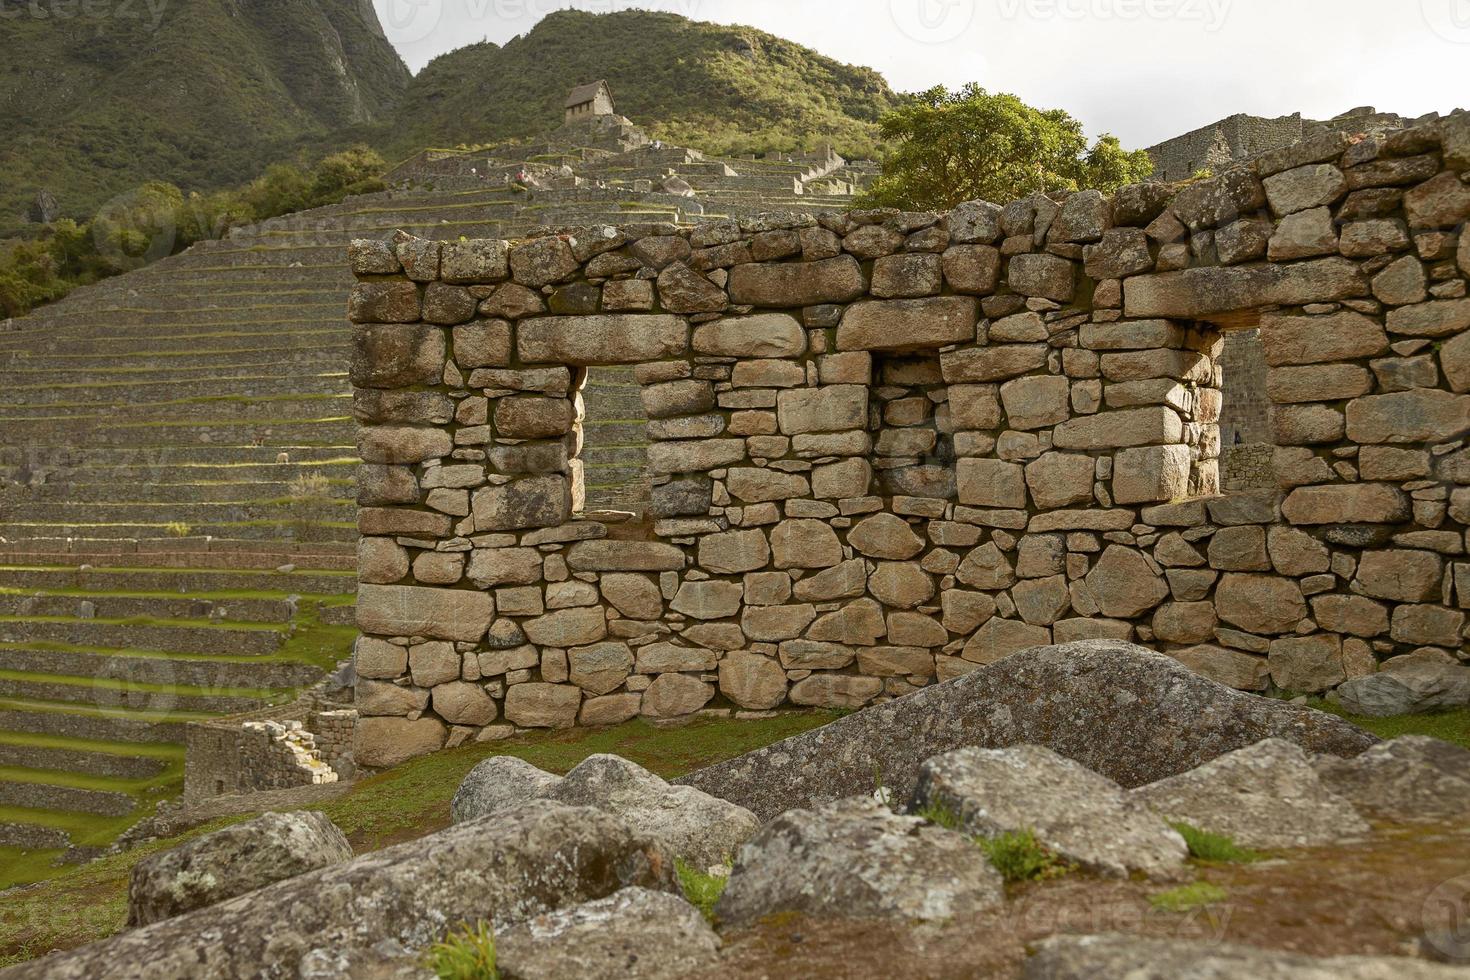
(177,472)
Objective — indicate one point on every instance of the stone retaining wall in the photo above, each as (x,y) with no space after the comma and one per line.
(888,448)
(305,743)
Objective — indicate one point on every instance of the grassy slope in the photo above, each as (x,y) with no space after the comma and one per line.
(90,902)
(721,89)
(95,106)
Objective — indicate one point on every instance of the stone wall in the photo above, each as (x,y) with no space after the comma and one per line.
(307,742)
(888,448)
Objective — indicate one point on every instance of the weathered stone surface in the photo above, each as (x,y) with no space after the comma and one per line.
(601,668)
(1079,815)
(405,610)
(682,290)
(383,302)
(1412,777)
(1400,574)
(975,221)
(1124,585)
(530,502)
(1260,603)
(765,335)
(1060,480)
(537,704)
(676,695)
(1042,275)
(991,483)
(542,261)
(1157,424)
(832,408)
(382,743)
(790,284)
(992,363)
(752,681)
(536,859)
(635,932)
(1202,291)
(462,703)
(1151,474)
(397,355)
(232,861)
(901,585)
(1131,714)
(1232,668)
(498,783)
(885,536)
(624,556)
(973,269)
(1410,689)
(614,338)
(1081,957)
(805,544)
(1264,795)
(1311,340)
(908,324)
(856,859)
(708,600)
(1000,638)
(1421,415)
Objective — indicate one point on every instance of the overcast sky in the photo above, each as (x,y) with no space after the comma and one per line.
(1144,70)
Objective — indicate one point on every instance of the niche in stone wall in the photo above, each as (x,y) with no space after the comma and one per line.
(610,457)
(913,438)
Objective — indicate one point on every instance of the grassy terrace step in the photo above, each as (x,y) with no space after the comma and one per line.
(168,636)
(62,604)
(92,692)
(86,483)
(279,510)
(59,488)
(208,583)
(215,408)
(161,388)
(49,718)
(338,431)
(216,674)
(304,334)
(212,458)
(262,554)
(40,795)
(23,374)
(79,756)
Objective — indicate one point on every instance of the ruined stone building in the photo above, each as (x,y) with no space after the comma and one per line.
(586,101)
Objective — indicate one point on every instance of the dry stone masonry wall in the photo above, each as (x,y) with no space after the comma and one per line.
(891,447)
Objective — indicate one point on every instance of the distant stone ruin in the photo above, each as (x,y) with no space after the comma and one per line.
(585,101)
(1239,137)
(890,447)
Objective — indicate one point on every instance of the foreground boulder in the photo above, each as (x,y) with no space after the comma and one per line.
(499,783)
(633,933)
(1114,957)
(857,859)
(1410,778)
(692,825)
(1265,795)
(231,862)
(1080,816)
(1408,689)
(1128,713)
(524,863)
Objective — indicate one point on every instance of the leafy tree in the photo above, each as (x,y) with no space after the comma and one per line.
(950,147)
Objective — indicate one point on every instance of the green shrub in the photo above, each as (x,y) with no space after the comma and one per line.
(1186,898)
(701,889)
(1019,856)
(1205,846)
(468,954)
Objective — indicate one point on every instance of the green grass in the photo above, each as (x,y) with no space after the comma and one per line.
(88,903)
(701,888)
(1451,726)
(1213,848)
(467,954)
(1019,856)
(1187,898)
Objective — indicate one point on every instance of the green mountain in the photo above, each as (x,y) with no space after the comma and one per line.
(200,93)
(726,90)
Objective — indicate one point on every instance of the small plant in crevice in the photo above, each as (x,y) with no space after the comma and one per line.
(1187,898)
(701,888)
(1019,856)
(1219,848)
(940,814)
(468,954)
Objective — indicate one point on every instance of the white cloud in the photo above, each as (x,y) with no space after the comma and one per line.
(1144,70)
